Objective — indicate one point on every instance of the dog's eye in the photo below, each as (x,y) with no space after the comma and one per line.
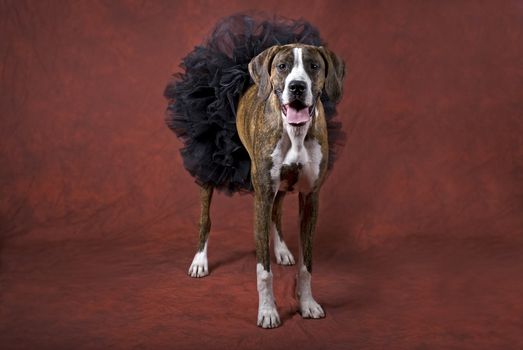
(315,66)
(282,66)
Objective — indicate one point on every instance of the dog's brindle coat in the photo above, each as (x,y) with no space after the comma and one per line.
(285,157)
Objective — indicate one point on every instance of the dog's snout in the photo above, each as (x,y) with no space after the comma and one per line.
(297,87)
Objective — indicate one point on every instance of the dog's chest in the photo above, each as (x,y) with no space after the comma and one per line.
(295,163)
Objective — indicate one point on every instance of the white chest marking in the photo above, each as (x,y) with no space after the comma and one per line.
(292,149)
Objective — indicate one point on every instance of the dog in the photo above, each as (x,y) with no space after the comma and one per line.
(281,123)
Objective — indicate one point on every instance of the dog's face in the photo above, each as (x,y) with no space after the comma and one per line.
(298,74)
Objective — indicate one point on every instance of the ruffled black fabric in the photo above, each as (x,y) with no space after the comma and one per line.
(203,99)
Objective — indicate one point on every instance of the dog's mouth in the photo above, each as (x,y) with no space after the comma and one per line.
(297,112)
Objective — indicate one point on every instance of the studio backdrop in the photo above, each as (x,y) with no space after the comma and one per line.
(419,237)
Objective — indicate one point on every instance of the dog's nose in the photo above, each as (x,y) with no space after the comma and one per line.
(297,87)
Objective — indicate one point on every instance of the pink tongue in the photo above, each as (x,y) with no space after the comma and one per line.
(296,117)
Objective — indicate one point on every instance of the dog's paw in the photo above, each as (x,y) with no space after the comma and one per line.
(268,317)
(284,257)
(283,254)
(309,308)
(199,266)
(197,270)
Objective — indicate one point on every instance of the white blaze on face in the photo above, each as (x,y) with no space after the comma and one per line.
(298,73)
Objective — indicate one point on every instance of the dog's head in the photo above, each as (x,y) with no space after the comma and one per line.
(298,74)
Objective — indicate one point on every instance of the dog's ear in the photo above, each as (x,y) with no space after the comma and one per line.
(260,70)
(335,71)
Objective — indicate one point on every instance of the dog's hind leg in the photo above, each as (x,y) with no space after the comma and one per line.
(281,252)
(199,266)
(309,308)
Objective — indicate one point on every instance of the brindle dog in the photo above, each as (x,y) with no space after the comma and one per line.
(281,123)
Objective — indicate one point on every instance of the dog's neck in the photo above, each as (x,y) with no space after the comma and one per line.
(297,134)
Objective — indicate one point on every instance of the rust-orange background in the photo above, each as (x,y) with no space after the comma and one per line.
(419,241)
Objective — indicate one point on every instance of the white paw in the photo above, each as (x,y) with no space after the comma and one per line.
(282,253)
(199,265)
(284,256)
(268,317)
(311,309)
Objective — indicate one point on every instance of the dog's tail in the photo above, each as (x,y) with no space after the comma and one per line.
(203,99)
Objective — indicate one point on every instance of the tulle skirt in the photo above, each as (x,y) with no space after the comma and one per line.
(202,100)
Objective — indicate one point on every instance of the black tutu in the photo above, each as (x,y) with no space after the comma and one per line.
(203,99)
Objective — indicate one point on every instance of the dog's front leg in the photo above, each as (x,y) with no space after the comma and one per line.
(309,308)
(267,313)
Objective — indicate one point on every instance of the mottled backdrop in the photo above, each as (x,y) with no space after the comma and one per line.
(419,243)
